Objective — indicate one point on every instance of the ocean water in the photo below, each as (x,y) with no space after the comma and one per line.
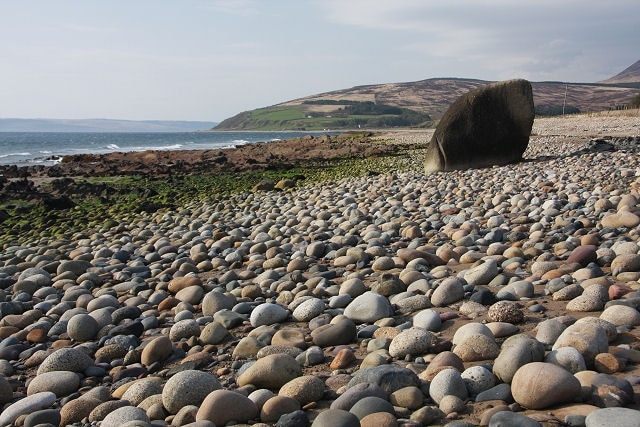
(48,148)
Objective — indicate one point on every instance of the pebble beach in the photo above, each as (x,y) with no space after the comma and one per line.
(500,296)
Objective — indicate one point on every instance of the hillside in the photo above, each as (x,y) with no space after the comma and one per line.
(422,103)
(630,74)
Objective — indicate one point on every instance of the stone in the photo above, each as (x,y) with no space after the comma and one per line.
(588,338)
(356,392)
(427,319)
(343,331)
(447,382)
(451,404)
(61,383)
(26,405)
(388,377)
(276,407)
(44,416)
(505,311)
(368,308)
(272,372)
(621,219)
(447,292)
(157,350)
(501,391)
(189,387)
(304,389)
(184,329)
(268,314)
(549,330)
(478,379)
(473,348)
(585,303)
(66,359)
(407,397)
(508,418)
(213,333)
(6,391)
(371,405)
(568,358)
(336,418)
(413,341)
(82,327)
(142,389)
(343,359)
(214,301)
(621,315)
(485,127)
(619,417)
(76,410)
(516,352)
(379,419)
(483,273)
(308,310)
(222,406)
(124,415)
(539,385)
(583,255)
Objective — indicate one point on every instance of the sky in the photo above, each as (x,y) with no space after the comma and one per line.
(211,59)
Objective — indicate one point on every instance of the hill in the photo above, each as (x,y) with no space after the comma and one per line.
(422,103)
(630,74)
(100,125)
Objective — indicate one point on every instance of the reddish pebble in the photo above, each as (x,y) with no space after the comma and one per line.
(583,255)
(448,316)
(618,291)
(607,363)
(37,335)
(343,359)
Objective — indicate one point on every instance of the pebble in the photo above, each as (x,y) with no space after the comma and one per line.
(516,352)
(538,385)
(223,406)
(26,405)
(341,260)
(368,308)
(189,387)
(123,415)
(413,341)
(447,382)
(272,371)
(61,383)
(268,314)
(619,417)
(428,319)
(304,389)
(449,291)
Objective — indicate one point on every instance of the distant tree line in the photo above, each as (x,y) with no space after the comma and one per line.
(635,102)
(374,115)
(555,110)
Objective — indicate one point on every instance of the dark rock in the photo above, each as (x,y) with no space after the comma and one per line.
(500,392)
(609,391)
(294,419)
(485,127)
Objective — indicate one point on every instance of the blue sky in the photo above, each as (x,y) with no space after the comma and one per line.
(211,59)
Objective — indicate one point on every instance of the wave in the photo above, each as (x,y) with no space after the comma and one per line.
(239,142)
(4,156)
(113,147)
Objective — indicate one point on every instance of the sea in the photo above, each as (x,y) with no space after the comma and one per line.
(48,148)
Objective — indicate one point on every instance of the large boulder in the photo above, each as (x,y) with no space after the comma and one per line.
(487,126)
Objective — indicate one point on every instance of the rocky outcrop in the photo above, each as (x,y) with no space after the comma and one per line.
(487,126)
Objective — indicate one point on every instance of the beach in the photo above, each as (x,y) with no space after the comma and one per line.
(386,298)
